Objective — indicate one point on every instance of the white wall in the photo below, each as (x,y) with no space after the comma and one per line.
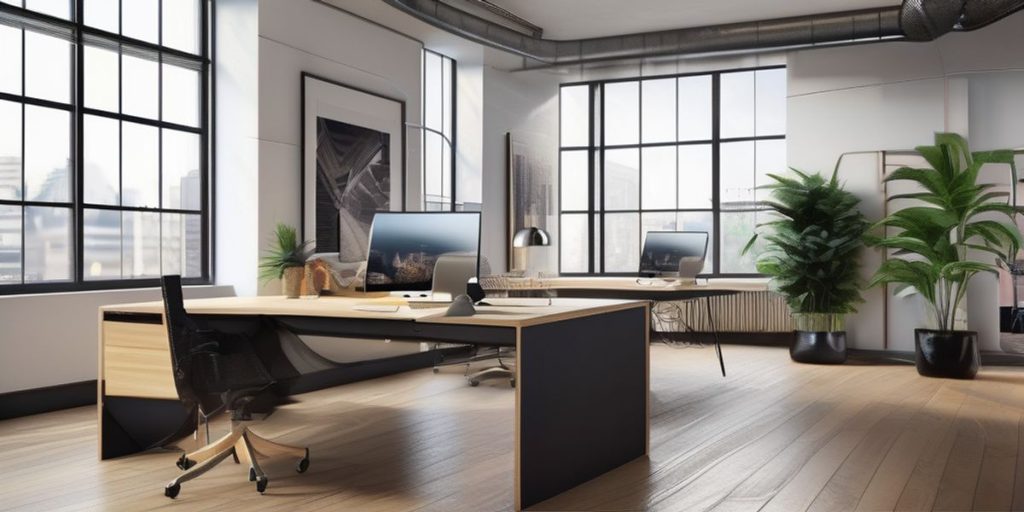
(894,96)
(525,104)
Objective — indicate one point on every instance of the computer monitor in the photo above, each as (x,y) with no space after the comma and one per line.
(405,246)
(673,253)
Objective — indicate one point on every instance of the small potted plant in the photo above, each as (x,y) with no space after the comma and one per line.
(286,260)
(934,242)
(810,253)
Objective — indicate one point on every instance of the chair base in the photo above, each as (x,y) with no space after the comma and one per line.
(495,372)
(243,445)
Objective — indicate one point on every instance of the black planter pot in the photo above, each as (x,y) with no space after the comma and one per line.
(948,354)
(818,347)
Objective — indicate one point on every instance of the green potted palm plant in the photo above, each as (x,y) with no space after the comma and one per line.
(956,218)
(810,253)
(286,260)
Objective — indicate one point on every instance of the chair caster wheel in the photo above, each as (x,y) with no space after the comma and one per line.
(252,474)
(474,383)
(184,463)
(437,370)
(261,484)
(171,491)
(512,383)
(303,464)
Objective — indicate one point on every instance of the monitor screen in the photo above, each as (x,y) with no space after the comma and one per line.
(674,253)
(404,246)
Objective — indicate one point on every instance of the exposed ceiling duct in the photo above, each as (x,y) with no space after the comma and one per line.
(915,20)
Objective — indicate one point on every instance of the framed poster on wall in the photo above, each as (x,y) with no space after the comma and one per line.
(531,179)
(353,162)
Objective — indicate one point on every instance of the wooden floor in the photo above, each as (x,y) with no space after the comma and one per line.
(773,436)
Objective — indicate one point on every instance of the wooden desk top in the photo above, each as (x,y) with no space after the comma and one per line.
(348,307)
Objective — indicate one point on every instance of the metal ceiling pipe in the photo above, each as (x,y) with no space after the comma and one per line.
(802,31)
(914,20)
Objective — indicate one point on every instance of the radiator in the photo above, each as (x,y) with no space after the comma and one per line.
(741,312)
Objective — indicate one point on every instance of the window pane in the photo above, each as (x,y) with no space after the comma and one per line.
(102,244)
(140,238)
(622,179)
(659,178)
(139,19)
(181,95)
(101,151)
(575,181)
(47,154)
(737,104)
(575,115)
(659,107)
(101,14)
(436,198)
(10,150)
(657,221)
(574,242)
(432,116)
(621,242)
(770,158)
(10,244)
(139,85)
(700,221)
(181,25)
(47,244)
(181,245)
(10,60)
(771,101)
(695,176)
(181,170)
(47,67)
(736,230)
(695,108)
(621,113)
(737,175)
(101,78)
(446,96)
(57,8)
(139,173)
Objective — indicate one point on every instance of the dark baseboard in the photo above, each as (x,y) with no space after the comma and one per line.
(51,398)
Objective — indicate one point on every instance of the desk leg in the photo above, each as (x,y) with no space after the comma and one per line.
(581,401)
(714,330)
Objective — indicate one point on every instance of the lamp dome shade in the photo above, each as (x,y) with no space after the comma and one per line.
(530,237)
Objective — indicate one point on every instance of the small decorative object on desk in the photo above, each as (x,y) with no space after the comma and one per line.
(285,260)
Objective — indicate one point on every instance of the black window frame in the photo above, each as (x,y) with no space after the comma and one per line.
(453,187)
(82,35)
(596,147)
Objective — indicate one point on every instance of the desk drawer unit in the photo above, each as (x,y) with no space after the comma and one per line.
(137,361)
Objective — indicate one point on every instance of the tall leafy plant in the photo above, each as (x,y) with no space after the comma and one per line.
(933,240)
(812,247)
(287,252)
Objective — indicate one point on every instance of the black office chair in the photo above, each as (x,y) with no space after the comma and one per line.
(215,371)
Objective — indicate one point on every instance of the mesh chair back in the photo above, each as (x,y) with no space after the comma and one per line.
(181,331)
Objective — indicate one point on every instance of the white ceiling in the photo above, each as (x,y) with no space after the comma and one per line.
(576,19)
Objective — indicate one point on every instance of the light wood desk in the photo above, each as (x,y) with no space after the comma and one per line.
(570,426)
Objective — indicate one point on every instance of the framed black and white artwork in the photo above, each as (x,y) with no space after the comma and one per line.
(531,178)
(353,160)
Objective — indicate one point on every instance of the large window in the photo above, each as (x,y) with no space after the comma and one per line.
(439,135)
(103,143)
(671,153)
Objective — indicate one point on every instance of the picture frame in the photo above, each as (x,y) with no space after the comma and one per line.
(353,163)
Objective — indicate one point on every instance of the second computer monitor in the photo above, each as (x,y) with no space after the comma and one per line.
(673,253)
(405,246)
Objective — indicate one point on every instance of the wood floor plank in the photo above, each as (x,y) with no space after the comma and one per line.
(773,436)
